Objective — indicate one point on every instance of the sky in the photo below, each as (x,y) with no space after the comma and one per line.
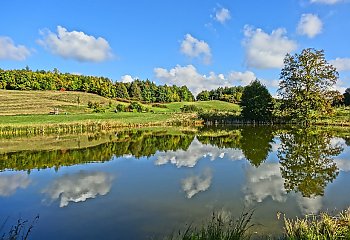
(203,44)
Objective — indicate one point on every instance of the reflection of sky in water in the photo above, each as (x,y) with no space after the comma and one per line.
(78,187)
(10,183)
(160,193)
(196,152)
(197,183)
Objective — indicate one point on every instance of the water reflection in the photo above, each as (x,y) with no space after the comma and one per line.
(9,184)
(306,157)
(195,152)
(307,161)
(197,183)
(78,187)
(256,143)
(263,182)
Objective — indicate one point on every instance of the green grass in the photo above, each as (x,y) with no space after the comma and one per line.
(205,105)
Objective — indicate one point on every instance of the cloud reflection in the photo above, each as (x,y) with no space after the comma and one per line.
(195,184)
(79,187)
(309,205)
(264,181)
(196,152)
(10,183)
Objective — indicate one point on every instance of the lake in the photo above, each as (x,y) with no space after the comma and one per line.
(144,183)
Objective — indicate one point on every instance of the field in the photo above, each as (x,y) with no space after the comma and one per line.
(24,108)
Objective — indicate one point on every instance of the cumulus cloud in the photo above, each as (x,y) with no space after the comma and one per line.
(329,2)
(196,82)
(195,184)
(195,48)
(127,79)
(263,182)
(342,64)
(195,152)
(10,51)
(79,187)
(265,50)
(10,183)
(244,78)
(76,45)
(310,25)
(222,15)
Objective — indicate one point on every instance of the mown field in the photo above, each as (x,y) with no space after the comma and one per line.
(19,108)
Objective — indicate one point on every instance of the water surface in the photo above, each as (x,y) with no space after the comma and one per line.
(139,184)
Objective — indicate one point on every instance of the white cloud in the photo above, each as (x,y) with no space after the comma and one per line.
(195,48)
(244,78)
(195,152)
(330,2)
(9,51)
(195,184)
(76,45)
(310,25)
(309,205)
(197,82)
(10,183)
(222,15)
(265,181)
(343,164)
(79,187)
(265,50)
(127,79)
(342,64)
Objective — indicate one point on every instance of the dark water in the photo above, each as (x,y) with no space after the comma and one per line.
(140,184)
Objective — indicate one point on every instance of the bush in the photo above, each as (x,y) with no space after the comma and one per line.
(120,108)
(158,105)
(191,108)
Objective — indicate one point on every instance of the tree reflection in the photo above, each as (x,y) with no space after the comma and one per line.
(306,158)
(256,143)
(136,143)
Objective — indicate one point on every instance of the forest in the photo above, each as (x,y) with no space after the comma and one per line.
(144,91)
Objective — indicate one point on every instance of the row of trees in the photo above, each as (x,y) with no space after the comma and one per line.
(146,91)
(227,94)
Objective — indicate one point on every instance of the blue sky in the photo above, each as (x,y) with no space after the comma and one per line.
(203,44)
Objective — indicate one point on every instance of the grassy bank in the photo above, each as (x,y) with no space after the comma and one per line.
(310,227)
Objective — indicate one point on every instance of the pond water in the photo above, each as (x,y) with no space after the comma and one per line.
(139,184)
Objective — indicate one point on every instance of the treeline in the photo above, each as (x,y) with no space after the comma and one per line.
(227,94)
(138,90)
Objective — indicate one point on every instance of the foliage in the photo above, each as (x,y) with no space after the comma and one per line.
(347,97)
(96,107)
(256,102)
(306,79)
(227,94)
(146,91)
(219,228)
(306,161)
(323,226)
(120,108)
(191,108)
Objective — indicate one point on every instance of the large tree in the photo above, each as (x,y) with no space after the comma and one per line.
(305,86)
(256,102)
(347,97)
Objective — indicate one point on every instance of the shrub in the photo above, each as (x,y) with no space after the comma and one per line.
(120,108)
(135,106)
(191,108)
